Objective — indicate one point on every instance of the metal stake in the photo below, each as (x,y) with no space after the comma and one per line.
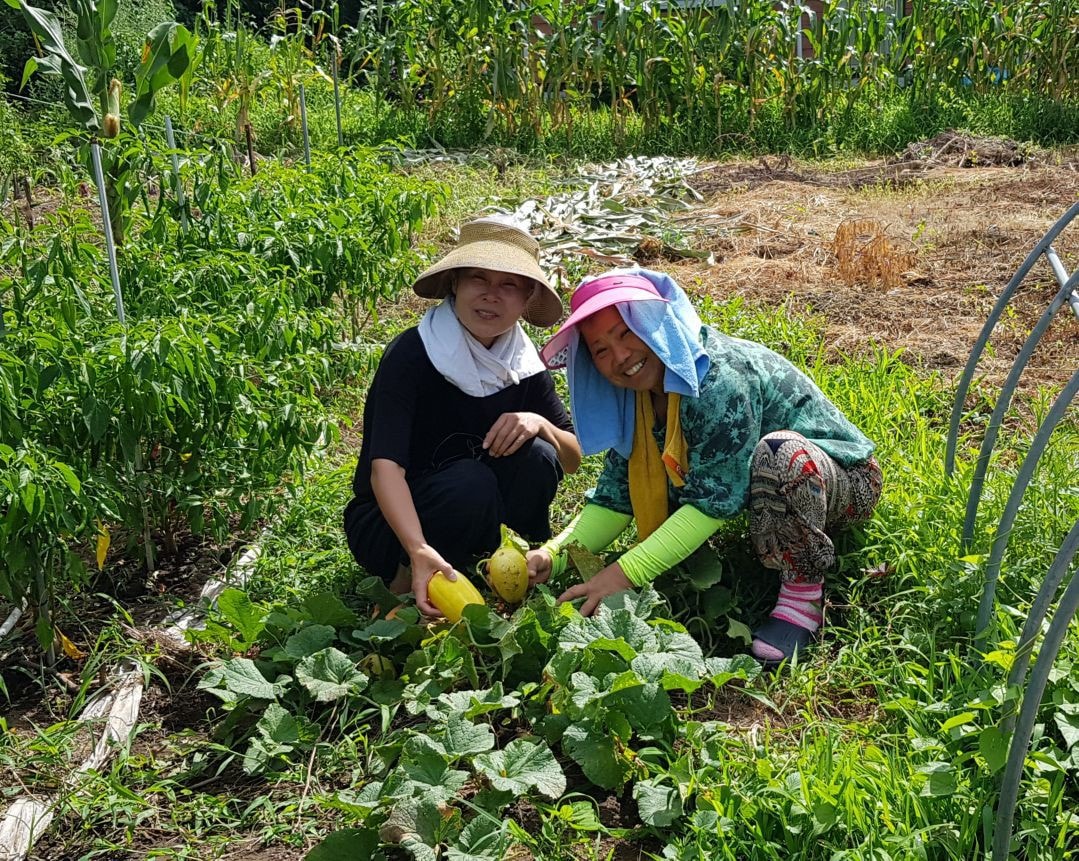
(303,123)
(1000,543)
(336,94)
(110,244)
(171,138)
(1032,698)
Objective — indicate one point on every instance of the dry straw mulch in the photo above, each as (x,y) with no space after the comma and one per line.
(914,265)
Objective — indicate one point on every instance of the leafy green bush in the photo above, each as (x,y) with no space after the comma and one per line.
(15,153)
(194,411)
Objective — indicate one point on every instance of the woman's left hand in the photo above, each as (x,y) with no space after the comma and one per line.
(607,582)
(511,431)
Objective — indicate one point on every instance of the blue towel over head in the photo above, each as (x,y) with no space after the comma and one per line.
(604,414)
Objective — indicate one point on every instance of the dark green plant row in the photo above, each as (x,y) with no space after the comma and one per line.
(717,76)
(213,392)
(629,79)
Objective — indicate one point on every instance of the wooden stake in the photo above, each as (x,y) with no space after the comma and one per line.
(15,201)
(29,202)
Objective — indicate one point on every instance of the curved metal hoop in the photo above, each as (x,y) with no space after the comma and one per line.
(1067,288)
(983,338)
(1039,676)
(1000,542)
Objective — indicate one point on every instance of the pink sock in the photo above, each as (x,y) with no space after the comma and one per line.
(799,604)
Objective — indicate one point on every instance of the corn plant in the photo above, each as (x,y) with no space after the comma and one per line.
(166,58)
(233,65)
(289,60)
(520,70)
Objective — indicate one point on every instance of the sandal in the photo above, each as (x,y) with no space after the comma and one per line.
(785,636)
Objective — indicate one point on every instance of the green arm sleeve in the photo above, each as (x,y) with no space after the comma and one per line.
(679,535)
(595,527)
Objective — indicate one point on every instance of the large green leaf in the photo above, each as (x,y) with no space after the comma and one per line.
(703,568)
(646,706)
(428,772)
(672,671)
(658,803)
(414,823)
(617,630)
(594,752)
(330,675)
(242,613)
(58,61)
(381,631)
(993,745)
(461,737)
(307,641)
(521,766)
(722,670)
(243,677)
(471,704)
(640,603)
(348,844)
(325,608)
(278,724)
(674,641)
(238,678)
(940,779)
(1067,721)
(260,755)
(169,51)
(483,839)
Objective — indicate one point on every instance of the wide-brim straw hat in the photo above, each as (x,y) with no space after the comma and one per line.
(489,243)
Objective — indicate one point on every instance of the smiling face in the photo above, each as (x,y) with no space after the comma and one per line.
(489,302)
(624,359)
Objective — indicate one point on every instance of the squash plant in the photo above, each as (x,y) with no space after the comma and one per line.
(460,721)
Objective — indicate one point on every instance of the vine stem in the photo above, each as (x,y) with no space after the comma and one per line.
(311,767)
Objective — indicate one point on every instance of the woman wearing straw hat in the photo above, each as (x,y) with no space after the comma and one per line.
(462,427)
(699,426)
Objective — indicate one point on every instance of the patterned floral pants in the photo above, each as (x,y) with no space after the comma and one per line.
(797,494)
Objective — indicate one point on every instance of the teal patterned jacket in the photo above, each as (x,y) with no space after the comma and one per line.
(749,391)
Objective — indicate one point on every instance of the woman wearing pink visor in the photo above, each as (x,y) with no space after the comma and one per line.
(699,426)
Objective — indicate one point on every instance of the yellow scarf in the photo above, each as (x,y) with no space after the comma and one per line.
(648,471)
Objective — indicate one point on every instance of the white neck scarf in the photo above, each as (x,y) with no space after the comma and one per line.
(475,369)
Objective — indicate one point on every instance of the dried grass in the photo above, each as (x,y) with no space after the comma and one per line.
(953,240)
(967,230)
(866,256)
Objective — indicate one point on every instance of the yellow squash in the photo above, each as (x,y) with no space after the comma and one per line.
(378,666)
(451,596)
(507,570)
(508,574)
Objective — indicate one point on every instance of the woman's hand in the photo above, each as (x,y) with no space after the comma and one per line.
(511,431)
(425,562)
(540,564)
(607,582)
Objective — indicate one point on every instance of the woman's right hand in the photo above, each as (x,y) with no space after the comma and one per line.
(539,565)
(425,562)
